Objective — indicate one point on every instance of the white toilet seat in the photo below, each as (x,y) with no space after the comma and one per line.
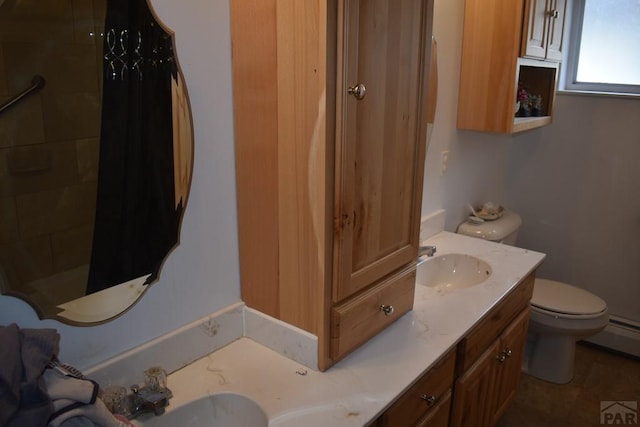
(562,300)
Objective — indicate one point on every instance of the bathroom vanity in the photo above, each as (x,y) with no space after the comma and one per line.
(452,359)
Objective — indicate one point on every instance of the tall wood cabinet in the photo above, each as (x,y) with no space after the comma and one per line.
(508,45)
(330,99)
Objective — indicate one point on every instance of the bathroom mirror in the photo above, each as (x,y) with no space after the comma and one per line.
(96,152)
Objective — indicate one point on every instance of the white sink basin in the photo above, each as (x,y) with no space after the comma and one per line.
(452,271)
(219,410)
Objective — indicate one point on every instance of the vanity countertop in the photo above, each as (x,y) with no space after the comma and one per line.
(360,387)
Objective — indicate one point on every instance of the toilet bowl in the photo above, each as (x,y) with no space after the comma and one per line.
(561,314)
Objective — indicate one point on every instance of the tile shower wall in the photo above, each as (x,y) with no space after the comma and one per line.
(49,142)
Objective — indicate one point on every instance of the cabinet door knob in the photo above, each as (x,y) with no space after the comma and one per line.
(508,352)
(430,399)
(501,357)
(554,13)
(359,91)
(386,309)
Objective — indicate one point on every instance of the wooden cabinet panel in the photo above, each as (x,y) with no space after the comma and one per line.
(381,143)
(439,415)
(490,359)
(490,328)
(512,344)
(555,45)
(361,317)
(543,32)
(428,401)
(473,392)
(534,34)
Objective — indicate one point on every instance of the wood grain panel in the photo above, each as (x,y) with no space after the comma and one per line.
(256,148)
(382,142)
(360,318)
(508,373)
(302,161)
(411,407)
(534,35)
(473,392)
(491,43)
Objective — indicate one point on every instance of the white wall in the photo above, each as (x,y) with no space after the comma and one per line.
(577,185)
(202,275)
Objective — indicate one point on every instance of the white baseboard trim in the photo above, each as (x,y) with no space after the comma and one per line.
(620,335)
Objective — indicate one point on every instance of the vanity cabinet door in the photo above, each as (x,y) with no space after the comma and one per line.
(380,139)
(511,353)
(472,404)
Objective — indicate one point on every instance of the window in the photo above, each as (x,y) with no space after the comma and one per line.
(604,51)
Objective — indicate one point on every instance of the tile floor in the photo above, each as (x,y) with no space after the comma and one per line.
(600,375)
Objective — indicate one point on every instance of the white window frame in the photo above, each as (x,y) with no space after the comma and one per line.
(571,61)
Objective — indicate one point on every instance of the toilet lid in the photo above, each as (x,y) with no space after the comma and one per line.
(563,298)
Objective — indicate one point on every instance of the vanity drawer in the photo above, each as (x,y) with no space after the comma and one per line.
(358,319)
(495,322)
(429,397)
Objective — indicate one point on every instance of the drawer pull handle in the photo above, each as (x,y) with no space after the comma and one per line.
(430,399)
(504,355)
(386,309)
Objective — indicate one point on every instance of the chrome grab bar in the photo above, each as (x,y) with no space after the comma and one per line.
(37,83)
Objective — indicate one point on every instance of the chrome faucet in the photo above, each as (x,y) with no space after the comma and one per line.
(153,397)
(426,250)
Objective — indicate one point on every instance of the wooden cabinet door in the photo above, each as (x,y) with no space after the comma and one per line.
(380,139)
(543,32)
(556,30)
(473,392)
(512,344)
(534,37)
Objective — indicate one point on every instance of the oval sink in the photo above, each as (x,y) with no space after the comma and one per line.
(452,271)
(219,410)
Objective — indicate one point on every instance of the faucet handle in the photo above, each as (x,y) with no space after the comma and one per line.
(155,378)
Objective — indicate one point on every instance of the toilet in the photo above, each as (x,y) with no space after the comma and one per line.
(561,314)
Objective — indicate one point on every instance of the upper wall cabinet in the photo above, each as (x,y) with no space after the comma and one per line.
(330,100)
(543,33)
(500,90)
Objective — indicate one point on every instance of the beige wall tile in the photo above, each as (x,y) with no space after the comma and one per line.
(71,248)
(28,259)
(4,90)
(56,210)
(22,124)
(40,167)
(8,220)
(72,116)
(88,155)
(35,19)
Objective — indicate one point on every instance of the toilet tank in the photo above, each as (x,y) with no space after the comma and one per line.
(502,230)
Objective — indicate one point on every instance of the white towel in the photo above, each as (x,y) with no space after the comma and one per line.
(76,402)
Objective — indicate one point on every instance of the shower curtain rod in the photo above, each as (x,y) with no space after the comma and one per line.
(37,83)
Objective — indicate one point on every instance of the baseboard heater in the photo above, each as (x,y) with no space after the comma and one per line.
(620,335)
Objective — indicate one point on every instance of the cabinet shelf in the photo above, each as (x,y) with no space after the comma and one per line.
(525,123)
